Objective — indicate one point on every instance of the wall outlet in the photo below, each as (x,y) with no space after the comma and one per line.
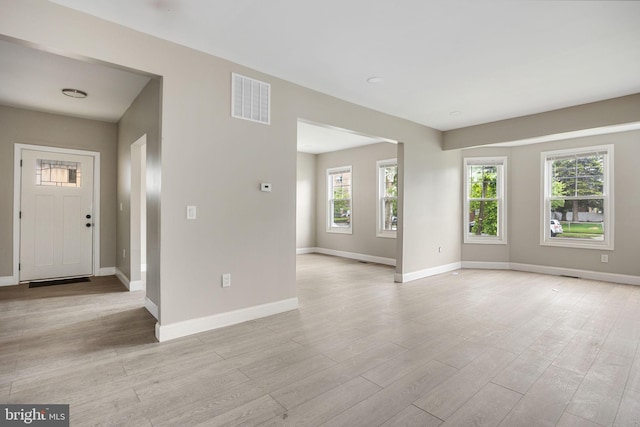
(604,258)
(226,280)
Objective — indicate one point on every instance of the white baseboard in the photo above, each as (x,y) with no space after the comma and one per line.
(151,307)
(106,271)
(584,274)
(9,281)
(136,285)
(202,324)
(301,251)
(132,285)
(407,277)
(356,256)
(486,265)
(555,271)
(120,275)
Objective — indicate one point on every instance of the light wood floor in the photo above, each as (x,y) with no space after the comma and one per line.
(466,348)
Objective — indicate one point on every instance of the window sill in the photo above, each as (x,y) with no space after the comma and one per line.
(387,234)
(484,241)
(340,230)
(599,246)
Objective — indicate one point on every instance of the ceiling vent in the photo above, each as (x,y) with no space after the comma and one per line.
(250,99)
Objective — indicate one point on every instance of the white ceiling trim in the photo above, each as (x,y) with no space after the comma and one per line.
(604,130)
(315,138)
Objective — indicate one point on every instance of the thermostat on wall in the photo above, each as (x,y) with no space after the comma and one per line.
(265,187)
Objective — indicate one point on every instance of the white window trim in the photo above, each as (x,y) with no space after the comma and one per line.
(608,204)
(501,182)
(330,227)
(390,234)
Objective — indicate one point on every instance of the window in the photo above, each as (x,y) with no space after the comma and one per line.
(484,204)
(57,173)
(339,193)
(387,212)
(578,198)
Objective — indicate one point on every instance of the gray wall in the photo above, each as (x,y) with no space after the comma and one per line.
(31,127)
(431,205)
(363,239)
(142,117)
(524,209)
(306,201)
(215,162)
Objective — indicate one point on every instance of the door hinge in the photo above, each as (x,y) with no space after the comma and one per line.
(19,266)
(20,215)
(20,162)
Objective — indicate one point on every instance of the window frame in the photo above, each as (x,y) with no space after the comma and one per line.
(331,228)
(501,198)
(380,198)
(546,159)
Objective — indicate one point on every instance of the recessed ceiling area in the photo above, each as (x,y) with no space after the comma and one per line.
(318,139)
(34,80)
(486,60)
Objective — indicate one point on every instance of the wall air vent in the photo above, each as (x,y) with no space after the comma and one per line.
(250,99)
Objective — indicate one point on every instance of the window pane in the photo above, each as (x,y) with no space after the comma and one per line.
(590,186)
(563,186)
(390,214)
(390,181)
(341,213)
(482,181)
(489,182)
(589,165)
(341,183)
(58,173)
(577,219)
(578,176)
(483,218)
(564,168)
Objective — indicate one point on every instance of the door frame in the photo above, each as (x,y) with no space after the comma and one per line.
(17,192)
(136,193)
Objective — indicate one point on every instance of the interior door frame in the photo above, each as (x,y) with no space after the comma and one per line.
(17,193)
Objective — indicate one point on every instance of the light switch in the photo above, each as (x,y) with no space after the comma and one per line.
(265,186)
(191,212)
(226,280)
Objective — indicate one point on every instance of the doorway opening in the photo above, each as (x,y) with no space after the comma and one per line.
(337,219)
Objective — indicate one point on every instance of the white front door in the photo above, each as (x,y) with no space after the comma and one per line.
(56,225)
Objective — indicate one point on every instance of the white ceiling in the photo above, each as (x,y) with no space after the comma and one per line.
(34,79)
(487,60)
(317,139)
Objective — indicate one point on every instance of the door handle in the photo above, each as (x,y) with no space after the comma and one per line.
(88,216)
(88,224)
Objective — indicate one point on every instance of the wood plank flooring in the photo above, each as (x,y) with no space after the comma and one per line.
(469,348)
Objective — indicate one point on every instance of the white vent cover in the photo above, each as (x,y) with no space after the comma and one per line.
(250,99)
